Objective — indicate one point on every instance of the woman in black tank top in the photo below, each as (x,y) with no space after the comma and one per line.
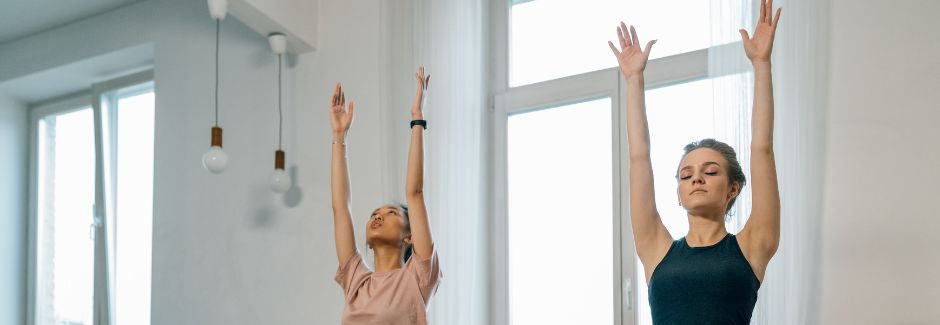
(709,276)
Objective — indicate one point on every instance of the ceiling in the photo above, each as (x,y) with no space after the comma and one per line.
(21,18)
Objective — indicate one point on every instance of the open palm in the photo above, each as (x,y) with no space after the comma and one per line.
(417,109)
(340,116)
(630,56)
(758,48)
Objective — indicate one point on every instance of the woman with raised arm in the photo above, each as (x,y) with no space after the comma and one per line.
(709,276)
(406,271)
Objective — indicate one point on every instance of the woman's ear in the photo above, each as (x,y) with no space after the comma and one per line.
(406,240)
(734,190)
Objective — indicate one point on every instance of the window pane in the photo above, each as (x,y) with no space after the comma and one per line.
(560,215)
(134,202)
(677,115)
(66,197)
(550,39)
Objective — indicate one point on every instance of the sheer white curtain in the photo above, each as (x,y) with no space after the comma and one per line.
(732,89)
(789,292)
(446,36)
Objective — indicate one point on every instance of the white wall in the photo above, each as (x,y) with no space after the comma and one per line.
(13,152)
(227,250)
(881,248)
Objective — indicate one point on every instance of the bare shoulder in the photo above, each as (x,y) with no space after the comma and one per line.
(757,250)
(653,252)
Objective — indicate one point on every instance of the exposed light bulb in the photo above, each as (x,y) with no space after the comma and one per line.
(215,160)
(280,181)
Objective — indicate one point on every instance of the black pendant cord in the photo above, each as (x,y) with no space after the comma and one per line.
(218,23)
(280,114)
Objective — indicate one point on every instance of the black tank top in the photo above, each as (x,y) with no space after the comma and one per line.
(703,285)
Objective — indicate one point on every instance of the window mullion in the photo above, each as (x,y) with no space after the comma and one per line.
(102,312)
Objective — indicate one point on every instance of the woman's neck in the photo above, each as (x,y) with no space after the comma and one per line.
(387,258)
(705,230)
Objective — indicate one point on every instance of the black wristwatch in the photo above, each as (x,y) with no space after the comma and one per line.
(422,123)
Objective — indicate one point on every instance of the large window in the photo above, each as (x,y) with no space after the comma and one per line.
(550,39)
(561,224)
(65,210)
(548,206)
(91,205)
(130,226)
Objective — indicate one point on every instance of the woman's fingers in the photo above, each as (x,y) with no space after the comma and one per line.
(420,81)
(633,37)
(776,18)
(335,99)
(421,78)
(744,36)
(628,40)
(352,106)
(770,8)
(623,41)
(614,49)
(763,12)
(626,33)
(649,46)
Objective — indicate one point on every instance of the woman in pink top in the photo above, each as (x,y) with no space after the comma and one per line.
(399,289)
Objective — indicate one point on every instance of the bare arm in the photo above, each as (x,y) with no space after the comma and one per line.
(341,119)
(414,184)
(650,235)
(761,234)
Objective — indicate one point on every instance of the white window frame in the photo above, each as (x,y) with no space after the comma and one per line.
(102,268)
(505,101)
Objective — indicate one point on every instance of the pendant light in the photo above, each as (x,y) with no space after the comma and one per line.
(280,180)
(215,160)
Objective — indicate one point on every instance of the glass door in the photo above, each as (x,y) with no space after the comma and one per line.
(560,219)
(65,211)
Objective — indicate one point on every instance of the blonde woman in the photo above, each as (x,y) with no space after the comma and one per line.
(708,276)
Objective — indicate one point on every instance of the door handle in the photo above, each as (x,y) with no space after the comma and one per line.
(628,293)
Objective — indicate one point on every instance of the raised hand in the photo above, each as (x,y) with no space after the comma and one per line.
(758,48)
(631,58)
(418,106)
(341,116)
